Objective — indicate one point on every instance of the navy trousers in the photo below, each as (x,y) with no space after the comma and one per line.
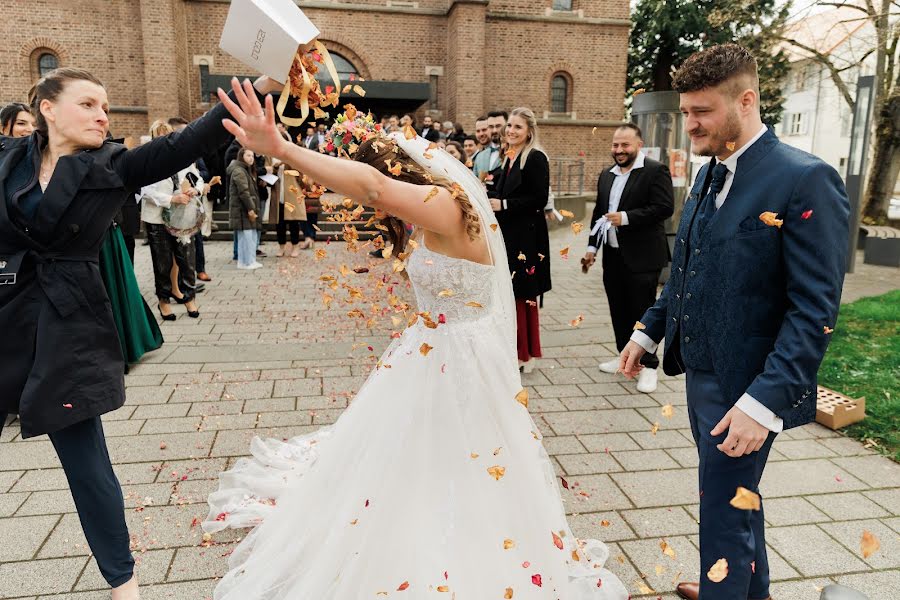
(97,494)
(726,532)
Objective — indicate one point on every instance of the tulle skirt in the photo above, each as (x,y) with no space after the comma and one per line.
(433,483)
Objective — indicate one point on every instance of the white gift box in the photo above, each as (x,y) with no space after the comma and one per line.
(265,34)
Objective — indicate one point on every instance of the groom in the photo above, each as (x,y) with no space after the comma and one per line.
(755,287)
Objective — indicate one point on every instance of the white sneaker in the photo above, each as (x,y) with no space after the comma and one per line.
(527,367)
(256,265)
(647,381)
(610,366)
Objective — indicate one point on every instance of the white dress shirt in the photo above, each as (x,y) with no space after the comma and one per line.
(747,403)
(615,197)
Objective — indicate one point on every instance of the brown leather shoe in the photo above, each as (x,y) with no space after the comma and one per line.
(202,276)
(688,590)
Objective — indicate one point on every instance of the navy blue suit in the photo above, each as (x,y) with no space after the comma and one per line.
(745,311)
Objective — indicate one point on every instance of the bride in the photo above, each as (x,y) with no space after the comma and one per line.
(434,482)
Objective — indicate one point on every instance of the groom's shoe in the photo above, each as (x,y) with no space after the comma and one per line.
(688,590)
(610,366)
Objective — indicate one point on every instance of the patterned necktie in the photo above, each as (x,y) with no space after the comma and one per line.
(708,205)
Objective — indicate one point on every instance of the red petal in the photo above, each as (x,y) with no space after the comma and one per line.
(536,580)
(403,586)
(367,504)
(599,583)
(442,319)
(565,483)
(446,578)
(806,214)
(329,89)
(67,406)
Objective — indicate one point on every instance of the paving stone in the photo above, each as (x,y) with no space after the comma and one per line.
(151,567)
(588,464)
(879,585)
(201,392)
(161,411)
(889,499)
(632,401)
(560,391)
(811,551)
(847,506)
(261,405)
(604,442)
(876,470)
(621,566)
(673,398)
(148,447)
(593,493)
(816,476)
(23,536)
(540,405)
(563,444)
(597,421)
(173,425)
(200,563)
(798,449)
(218,407)
(807,589)
(659,488)
(32,577)
(189,470)
(660,522)
(591,526)
(11,501)
(678,420)
(792,511)
(26,456)
(566,375)
(138,380)
(849,534)
(298,387)
(188,378)
(586,403)
(148,395)
(8,479)
(779,569)
(844,446)
(645,460)
(686,457)
(647,554)
(248,390)
(235,376)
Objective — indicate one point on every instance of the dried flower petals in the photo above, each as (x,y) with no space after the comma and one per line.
(567,213)
(869,544)
(431,194)
(828,330)
(403,586)
(497,472)
(577,227)
(668,410)
(744,499)
(424,349)
(522,397)
(666,549)
(557,541)
(806,214)
(536,579)
(508,594)
(771,219)
(508,543)
(638,326)
(576,321)
(719,571)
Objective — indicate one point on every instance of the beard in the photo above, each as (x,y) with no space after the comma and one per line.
(495,138)
(717,141)
(625,159)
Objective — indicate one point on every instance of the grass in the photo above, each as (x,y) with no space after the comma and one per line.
(864,360)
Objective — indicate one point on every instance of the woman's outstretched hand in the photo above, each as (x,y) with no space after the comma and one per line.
(253,126)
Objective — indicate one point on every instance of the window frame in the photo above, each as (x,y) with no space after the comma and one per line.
(566,78)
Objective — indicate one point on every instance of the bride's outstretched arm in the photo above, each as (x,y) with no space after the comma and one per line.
(429,207)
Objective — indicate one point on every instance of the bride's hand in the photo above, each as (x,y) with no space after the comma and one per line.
(253,127)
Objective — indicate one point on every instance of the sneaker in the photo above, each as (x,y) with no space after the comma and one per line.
(250,267)
(647,381)
(527,366)
(610,366)
(256,265)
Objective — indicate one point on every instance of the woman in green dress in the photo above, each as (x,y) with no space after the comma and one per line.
(138,331)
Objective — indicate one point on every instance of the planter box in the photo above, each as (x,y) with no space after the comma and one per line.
(835,410)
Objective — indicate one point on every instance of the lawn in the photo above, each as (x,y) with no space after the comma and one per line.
(864,360)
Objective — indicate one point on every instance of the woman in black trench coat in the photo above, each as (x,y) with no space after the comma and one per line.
(520,195)
(61,365)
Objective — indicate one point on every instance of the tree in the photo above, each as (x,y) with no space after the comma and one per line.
(666,32)
(884,166)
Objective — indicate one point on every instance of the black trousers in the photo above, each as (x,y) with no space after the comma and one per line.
(281,230)
(163,249)
(309,230)
(629,294)
(97,494)
(200,253)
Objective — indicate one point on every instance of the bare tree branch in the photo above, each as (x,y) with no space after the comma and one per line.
(829,64)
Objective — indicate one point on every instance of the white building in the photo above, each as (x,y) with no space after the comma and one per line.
(816,116)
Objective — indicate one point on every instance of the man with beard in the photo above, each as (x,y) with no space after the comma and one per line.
(488,160)
(482,135)
(634,199)
(756,281)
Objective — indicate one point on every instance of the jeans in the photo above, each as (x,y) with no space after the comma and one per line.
(247,240)
(163,249)
(97,494)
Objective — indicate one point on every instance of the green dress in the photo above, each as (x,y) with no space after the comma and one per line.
(137,327)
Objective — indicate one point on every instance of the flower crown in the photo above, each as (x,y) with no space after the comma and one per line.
(351,128)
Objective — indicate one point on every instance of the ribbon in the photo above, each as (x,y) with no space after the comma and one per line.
(307,86)
(602,226)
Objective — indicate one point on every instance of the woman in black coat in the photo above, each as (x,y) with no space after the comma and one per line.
(61,365)
(519,197)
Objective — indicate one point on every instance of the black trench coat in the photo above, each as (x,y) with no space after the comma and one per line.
(524,226)
(60,359)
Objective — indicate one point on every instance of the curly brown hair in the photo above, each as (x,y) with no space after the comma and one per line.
(379,152)
(716,65)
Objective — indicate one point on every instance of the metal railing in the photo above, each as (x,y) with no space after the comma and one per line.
(567,176)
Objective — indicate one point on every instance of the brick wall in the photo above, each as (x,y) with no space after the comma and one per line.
(497,54)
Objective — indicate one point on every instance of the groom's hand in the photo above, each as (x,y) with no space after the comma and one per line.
(745,435)
(630,359)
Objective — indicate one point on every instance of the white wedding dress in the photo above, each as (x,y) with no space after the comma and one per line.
(432,484)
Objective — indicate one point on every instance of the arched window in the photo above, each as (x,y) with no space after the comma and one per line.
(559,94)
(47,61)
(346,69)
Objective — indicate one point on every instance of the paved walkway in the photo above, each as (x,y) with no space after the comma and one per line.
(267,359)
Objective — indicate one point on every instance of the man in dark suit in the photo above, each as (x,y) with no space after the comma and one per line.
(428,131)
(311,139)
(754,294)
(634,199)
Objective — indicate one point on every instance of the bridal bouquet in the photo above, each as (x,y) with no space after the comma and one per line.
(351,128)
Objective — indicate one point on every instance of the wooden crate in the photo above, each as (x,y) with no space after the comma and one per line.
(835,410)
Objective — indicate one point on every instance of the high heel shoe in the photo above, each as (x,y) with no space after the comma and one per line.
(194,314)
(168,317)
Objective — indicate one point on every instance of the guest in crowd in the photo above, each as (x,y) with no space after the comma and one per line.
(427,122)
(470,146)
(393,124)
(291,209)
(66,370)
(16,120)
(455,150)
(635,197)
(313,194)
(486,163)
(311,139)
(165,247)
(179,124)
(482,132)
(447,130)
(518,199)
(243,207)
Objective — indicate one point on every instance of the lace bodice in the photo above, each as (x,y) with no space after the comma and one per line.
(459,289)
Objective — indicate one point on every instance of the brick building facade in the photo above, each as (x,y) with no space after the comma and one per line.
(468,56)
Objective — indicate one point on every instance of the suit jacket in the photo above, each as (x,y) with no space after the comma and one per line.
(522,221)
(767,293)
(432,135)
(649,200)
(60,358)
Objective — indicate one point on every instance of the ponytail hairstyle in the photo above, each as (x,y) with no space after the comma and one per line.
(8,116)
(50,86)
(532,143)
